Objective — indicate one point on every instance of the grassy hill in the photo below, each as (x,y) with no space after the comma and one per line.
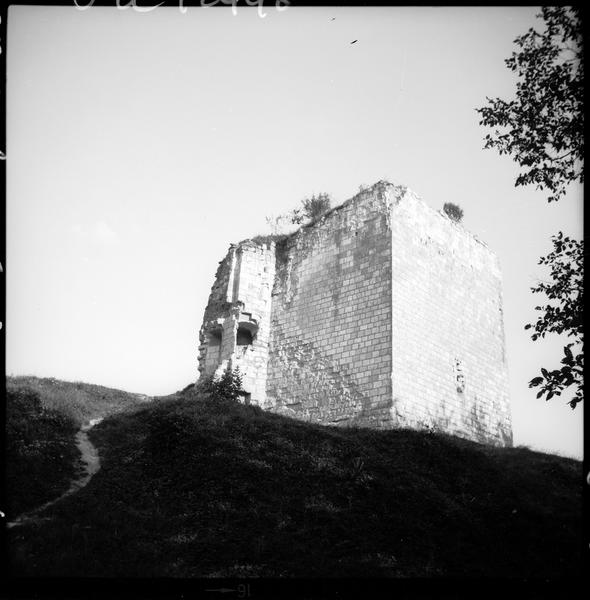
(195,487)
(79,401)
(42,417)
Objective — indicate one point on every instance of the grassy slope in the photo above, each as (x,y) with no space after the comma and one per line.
(40,452)
(193,487)
(79,401)
(43,416)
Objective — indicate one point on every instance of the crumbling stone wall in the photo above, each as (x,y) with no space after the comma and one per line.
(236,325)
(384,313)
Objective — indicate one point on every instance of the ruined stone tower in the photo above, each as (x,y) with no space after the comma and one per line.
(384,313)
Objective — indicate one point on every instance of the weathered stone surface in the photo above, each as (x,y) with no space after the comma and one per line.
(385,313)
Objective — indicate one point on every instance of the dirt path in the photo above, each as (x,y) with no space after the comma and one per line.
(91,463)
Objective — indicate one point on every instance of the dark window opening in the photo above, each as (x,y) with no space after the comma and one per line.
(244,337)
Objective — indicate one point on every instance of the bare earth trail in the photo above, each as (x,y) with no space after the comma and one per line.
(91,463)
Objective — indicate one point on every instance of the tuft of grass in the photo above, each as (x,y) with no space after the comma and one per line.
(192,486)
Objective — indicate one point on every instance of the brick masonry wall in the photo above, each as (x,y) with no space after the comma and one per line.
(330,348)
(449,364)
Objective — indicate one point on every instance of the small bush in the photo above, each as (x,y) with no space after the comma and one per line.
(453,211)
(227,387)
(312,209)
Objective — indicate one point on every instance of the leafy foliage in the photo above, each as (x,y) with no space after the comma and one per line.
(543,127)
(543,130)
(226,387)
(454,211)
(563,314)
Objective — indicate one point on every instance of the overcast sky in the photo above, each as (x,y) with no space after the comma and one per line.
(141,145)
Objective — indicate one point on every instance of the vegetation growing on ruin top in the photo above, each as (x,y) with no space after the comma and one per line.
(453,211)
(267,238)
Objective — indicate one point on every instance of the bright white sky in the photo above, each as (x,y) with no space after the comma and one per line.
(140,145)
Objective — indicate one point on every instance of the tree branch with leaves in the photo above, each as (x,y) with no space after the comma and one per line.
(542,129)
(563,314)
